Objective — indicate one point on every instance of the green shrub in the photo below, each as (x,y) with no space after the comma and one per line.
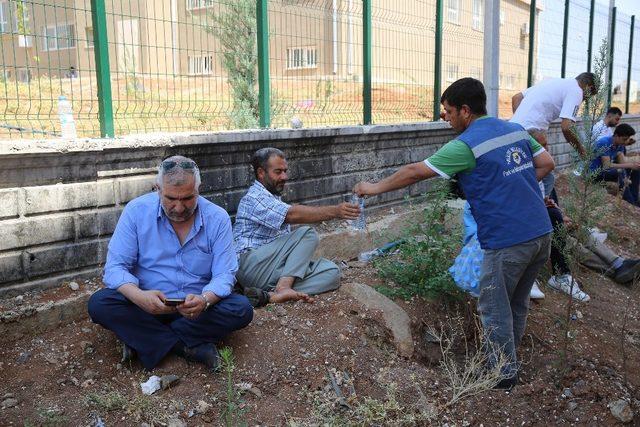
(420,268)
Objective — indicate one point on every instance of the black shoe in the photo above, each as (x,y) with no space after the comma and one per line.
(628,271)
(128,354)
(206,354)
(507,384)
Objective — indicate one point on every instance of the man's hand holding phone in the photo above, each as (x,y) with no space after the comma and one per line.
(192,307)
(151,301)
(173,302)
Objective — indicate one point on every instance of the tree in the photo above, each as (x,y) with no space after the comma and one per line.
(235,27)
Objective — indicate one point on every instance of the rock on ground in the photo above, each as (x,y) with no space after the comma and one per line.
(395,318)
(621,410)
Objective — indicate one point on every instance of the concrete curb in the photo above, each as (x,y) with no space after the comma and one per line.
(15,325)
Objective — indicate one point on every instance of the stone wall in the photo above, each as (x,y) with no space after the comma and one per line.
(61,200)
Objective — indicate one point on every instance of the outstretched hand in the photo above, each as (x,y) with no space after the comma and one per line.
(364,188)
(348,211)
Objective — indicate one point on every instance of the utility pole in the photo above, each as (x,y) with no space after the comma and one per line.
(490,69)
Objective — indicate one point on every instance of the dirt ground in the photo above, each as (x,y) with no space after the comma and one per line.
(332,363)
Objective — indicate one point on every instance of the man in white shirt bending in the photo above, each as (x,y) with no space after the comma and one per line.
(536,107)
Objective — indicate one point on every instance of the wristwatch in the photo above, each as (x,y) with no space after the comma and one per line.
(206,302)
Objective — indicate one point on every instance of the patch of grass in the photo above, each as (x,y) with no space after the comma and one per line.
(473,374)
(109,401)
(367,411)
(140,408)
(421,266)
(51,417)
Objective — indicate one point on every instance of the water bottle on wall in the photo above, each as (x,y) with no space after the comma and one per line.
(359,224)
(67,123)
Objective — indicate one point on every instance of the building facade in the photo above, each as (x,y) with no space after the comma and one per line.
(309,39)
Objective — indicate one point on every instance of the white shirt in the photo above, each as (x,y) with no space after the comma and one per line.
(600,130)
(547,101)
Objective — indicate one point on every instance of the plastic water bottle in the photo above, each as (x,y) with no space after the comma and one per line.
(359,224)
(67,123)
(369,255)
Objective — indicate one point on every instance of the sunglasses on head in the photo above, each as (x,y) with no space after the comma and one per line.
(167,165)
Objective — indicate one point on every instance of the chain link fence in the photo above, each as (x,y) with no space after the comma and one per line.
(195,65)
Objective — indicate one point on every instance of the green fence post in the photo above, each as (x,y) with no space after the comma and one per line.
(437,75)
(366,61)
(103,71)
(611,49)
(626,96)
(264,83)
(532,40)
(565,34)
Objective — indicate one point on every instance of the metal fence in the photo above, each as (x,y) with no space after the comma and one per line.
(183,65)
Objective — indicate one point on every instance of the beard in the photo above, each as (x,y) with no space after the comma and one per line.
(274,187)
(179,217)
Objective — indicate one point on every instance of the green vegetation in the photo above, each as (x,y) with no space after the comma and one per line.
(421,266)
(233,412)
(585,198)
(235,26)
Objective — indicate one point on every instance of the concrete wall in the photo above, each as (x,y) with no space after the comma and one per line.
(61,199)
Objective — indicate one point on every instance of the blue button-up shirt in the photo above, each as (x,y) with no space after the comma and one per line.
(145,250)
(260,218)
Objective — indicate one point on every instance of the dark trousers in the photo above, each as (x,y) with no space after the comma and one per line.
(613,175)
(559,263)
(152,337)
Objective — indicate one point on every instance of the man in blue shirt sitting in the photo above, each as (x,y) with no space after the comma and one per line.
(611,164)
(171,244)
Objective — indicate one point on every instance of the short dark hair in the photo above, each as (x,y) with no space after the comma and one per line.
(614,110)
(624,129)
(469,92)
(588,79)
(261,157)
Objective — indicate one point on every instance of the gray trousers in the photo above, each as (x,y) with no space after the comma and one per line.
(595,255)
(505,282)
(289,256)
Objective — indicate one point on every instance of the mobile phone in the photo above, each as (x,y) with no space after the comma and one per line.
(173,301)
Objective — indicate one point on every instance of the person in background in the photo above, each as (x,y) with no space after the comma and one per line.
(612,164)
(537,106)
(606,126)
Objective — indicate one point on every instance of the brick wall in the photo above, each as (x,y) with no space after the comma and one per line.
(61,200)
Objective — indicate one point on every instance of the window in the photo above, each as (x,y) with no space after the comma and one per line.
(477,14)
(502,16)
(10,20)
(453,11)
(199,4)
(452,72)
(201,65)
(476,73)
(302,57)
(88,33)
(59,37)
(5,17)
